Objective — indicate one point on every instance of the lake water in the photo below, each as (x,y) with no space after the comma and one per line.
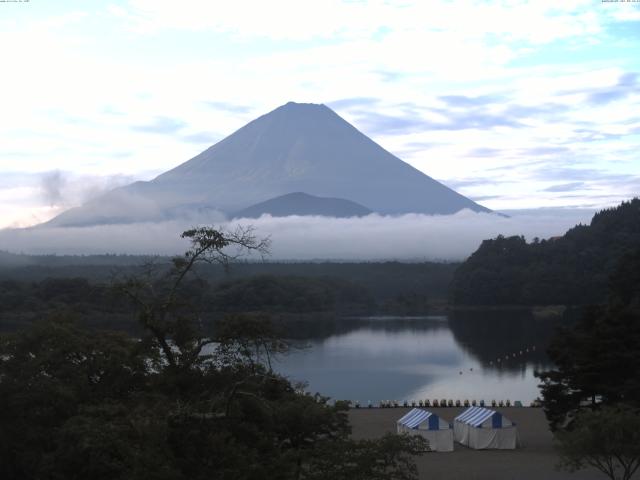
(472,355)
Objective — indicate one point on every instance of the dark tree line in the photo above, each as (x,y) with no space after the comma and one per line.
(572,269)
(100,305)
(290,294)
(383,280)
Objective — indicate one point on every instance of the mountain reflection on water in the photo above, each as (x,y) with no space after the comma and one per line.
(468,355)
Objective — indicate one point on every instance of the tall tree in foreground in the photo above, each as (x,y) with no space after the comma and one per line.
(178,403)
(592,397)
(597,360)
(163,299)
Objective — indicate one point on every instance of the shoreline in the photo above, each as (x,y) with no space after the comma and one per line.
(535,460)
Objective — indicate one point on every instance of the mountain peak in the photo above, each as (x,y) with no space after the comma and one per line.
(303,105)
(305,110)
(298,147)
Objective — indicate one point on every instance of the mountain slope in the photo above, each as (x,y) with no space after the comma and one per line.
(295,148)
(572,269)
(299,203)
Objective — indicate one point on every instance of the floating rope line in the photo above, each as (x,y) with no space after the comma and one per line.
(513,355)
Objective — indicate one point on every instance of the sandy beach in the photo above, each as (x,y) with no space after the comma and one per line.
(536,459)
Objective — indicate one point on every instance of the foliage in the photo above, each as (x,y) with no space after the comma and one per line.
(48,375)
(388,457)
(163,301)
(383,280)
(572,269)
(289,294)
(176,403)
(607,439)
(296,289)
(100,306)
(597,360)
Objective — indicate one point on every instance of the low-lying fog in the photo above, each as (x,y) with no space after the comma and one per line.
(374,237)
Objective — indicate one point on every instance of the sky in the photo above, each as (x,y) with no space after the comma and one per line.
(517,105)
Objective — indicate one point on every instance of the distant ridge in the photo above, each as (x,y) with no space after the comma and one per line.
(295,148)
(299,203)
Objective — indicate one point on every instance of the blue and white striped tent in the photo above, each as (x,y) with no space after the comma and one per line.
(480,428)
(427,424)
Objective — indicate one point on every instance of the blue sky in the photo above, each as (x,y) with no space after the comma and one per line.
(514,104)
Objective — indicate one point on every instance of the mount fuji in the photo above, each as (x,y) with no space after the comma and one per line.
(296,148)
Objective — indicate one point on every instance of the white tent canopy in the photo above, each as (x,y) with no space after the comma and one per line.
(481,428)
(435,430)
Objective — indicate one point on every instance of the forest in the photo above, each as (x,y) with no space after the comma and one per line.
(33,287)
(569,270)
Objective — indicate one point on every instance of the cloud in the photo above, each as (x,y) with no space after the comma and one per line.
(380,123)
(389,76)
(551,172)
(481,198)
(546,111)
(490,111)
(384,124)
(413,148)
(464,101)
(353,102)
(202,137)
(542,150)
(228,107)
(28,198)
(469,182)
(583,134)
(594,197)
(566,187)
(627,85)
(484,152)
(539,23)
(52,185)
(161,125)
(78,189)
(406,237)
(474,118)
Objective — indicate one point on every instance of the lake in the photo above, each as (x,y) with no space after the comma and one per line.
(469,355)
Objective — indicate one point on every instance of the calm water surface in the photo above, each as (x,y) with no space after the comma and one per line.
(469,356)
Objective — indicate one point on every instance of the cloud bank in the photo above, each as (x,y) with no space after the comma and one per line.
(410,237)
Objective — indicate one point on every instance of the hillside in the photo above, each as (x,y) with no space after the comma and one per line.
(572,269)
(299,203)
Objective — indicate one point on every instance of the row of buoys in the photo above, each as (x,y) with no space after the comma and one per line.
(442,403)
(510,356)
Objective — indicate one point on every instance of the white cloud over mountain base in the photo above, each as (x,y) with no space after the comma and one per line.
(411,237)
